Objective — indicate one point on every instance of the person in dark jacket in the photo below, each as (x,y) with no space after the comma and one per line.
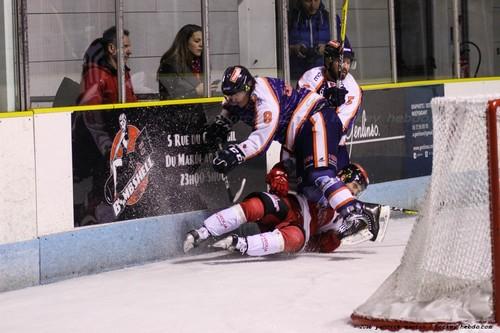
(180,74)
(309,31)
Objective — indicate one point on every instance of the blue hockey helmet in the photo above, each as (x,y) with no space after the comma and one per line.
(334,47)
(236,79)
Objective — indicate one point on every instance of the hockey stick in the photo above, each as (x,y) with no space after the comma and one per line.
(405,210)
(343,29)
(343,22)
(232,198)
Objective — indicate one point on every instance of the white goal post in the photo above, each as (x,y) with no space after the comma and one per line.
(449,276)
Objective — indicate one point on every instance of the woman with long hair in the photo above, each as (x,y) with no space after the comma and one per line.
(180,73)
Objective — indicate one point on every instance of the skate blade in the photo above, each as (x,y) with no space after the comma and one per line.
(385,214)
(359,237)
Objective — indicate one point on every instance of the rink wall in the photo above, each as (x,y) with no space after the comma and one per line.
(38,241)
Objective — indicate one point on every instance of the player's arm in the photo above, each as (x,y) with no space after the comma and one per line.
(311,80)
(348,111)
(267,112)
(263,133)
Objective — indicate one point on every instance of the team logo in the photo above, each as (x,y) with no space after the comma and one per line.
(130,163)
(235,74)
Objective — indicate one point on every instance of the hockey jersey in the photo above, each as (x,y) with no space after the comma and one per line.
(318,226)
(276,112)
(315,80)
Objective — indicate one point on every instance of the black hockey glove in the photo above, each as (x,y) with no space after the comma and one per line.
(335,95)
(227,159)
(216,132)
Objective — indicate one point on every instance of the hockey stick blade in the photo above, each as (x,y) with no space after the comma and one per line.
(240,191)
(405,210)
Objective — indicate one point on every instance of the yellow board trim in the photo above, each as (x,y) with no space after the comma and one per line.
(170,102)
(425,83)
(101,107)
(107,107)
(16,114)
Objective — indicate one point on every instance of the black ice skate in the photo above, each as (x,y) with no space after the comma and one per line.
(378,218)
(370,224)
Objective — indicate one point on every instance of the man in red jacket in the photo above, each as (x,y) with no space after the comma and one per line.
(99,83)
(92,130)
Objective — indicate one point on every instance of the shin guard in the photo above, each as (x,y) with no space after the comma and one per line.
(225,221)
(265,243)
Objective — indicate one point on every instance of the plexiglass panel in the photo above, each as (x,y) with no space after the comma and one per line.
(367,30)
(7,55)
(165,35)
(59,34)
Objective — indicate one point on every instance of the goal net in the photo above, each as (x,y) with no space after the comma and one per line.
(445,277)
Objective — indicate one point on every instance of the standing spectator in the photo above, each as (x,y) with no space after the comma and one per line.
(91,130)
(309,31)
(99,83)
(180,74)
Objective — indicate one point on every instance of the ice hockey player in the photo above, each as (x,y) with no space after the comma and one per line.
(302,121)
(289,223)
(324,81)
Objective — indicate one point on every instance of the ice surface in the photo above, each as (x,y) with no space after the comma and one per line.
(214,292)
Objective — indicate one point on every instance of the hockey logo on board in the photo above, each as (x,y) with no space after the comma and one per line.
(130,163)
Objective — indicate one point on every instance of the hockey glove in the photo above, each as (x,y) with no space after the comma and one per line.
(227,159)
(335,95)
(216,133)
(277,179)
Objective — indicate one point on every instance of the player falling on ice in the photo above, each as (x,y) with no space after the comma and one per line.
(289,223)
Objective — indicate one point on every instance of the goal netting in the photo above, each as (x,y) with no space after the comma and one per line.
(445,276)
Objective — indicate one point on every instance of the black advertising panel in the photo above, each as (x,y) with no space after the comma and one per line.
(419,129)
(378,135)
(141,162)
(392,136)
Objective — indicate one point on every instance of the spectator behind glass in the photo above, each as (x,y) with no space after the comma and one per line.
(92,130)
(309,31)
(99,84)
(180,71)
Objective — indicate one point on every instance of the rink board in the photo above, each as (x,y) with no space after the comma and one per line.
(17,179)
(94,249)
(19,265)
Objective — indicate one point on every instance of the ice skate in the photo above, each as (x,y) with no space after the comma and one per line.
(378,220)
(192,240)
(354,229)
(231,243)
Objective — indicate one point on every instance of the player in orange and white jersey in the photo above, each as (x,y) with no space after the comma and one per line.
(332,79)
